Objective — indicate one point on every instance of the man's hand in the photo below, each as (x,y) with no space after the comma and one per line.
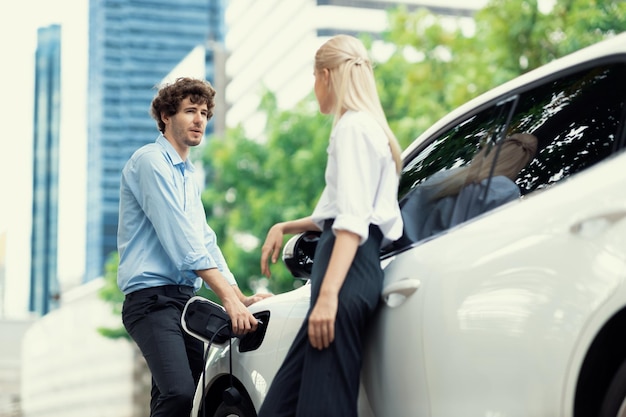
(242,320)
(248,301)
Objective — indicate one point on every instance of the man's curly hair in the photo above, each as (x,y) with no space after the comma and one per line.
(170,96)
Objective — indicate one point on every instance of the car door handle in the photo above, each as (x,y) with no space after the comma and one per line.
(397,292)
(595,225)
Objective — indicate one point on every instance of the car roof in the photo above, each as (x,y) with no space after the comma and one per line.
(615,45)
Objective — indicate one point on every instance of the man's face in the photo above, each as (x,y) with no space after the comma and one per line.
(186,127)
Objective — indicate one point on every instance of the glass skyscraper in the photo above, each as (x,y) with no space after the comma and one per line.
(133,45)
(44,285)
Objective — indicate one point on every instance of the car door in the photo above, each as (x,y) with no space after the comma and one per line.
(481,314)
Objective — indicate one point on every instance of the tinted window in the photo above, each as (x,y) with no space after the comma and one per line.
(456,147)
(572,123)
(576,119)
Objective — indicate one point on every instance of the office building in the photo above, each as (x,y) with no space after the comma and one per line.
(11,335)
(44,285)
(3,272)
(271,44)
(133,45)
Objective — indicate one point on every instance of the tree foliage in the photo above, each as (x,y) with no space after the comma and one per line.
(111,293)
(436,68)
(254,184)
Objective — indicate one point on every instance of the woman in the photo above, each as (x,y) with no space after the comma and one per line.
(357,213)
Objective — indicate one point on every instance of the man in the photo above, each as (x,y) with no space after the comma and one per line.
(167,250)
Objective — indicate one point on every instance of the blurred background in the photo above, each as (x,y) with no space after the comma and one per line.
(80,76)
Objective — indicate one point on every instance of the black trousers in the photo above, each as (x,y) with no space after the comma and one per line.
(152,318)
(325,382)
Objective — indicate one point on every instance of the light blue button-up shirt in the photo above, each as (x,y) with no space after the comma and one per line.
(163,236)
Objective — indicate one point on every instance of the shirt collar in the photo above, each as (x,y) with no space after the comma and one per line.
(173,156)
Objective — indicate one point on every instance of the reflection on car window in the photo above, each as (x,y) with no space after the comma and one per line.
(456,147)
(454,196)
(574,119)
(577,119)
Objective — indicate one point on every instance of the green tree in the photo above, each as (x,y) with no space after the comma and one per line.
(111,293)
(256,183)
(436,68)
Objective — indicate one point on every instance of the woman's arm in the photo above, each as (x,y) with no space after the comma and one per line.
(324,313)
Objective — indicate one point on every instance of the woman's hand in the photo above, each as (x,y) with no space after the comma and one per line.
(274,240)
(271,248)
(322,321)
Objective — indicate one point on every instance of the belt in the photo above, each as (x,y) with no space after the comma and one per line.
(168,290)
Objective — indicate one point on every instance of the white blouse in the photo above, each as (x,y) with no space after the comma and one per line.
(361,180)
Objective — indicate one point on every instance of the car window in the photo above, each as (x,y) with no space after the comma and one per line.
(577,120)
(524,143)
(433,192)
(456,147)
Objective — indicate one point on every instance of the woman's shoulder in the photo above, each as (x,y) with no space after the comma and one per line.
(360,129)
(360,121)
(356,117)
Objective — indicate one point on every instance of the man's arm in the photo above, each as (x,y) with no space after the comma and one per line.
(242,320)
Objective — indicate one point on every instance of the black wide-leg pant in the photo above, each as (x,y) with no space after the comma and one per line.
(152,318)
(325,383)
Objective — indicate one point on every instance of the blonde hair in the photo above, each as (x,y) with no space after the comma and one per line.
(515,153)
(353,83)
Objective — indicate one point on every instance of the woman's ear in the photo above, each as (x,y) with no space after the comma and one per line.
(326,73)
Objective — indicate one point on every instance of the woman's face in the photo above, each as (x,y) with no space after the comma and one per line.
(323,93)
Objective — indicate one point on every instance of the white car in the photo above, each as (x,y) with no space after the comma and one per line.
(517,308)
